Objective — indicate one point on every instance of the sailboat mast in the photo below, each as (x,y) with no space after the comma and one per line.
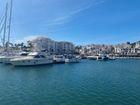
(9,31)
(5,26)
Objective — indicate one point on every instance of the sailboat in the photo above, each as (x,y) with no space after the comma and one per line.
(33,58)
(6,54)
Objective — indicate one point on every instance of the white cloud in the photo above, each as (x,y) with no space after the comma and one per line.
(27,38)
(67,18)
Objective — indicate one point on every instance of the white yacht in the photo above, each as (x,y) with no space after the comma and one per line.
(6,29)
(102,57)
(6,59)
(72,59)
(59,59)
(1,58)
(32,59)
(92,57)
(112,58)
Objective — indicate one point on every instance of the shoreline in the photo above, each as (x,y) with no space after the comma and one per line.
(127,57)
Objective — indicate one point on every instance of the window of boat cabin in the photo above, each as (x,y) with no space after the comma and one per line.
(36,56)
(39,56)
(42,56)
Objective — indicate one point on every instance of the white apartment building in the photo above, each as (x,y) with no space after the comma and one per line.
(119,50)
(43,43)
(51,46)
(64,47)
(137,45)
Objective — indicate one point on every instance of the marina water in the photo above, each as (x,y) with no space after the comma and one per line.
(87,83)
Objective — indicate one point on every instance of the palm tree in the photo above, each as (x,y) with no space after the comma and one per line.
(30,45)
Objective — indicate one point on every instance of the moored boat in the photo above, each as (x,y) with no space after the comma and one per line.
(112,58)
(7,58)
(102,57)
(58,59)
(6,22)
(92,57)
(32,59)
(72,59)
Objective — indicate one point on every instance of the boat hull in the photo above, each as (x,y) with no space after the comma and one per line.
(59,60)
(31,62)
(92,57)
(72,60)
(5,60)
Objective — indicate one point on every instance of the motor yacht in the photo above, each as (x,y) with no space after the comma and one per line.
(32,59)
(58,59)
(92,57)
(72,59)
(6,59)
(102,57)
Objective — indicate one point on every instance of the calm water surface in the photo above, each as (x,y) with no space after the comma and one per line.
(86,83)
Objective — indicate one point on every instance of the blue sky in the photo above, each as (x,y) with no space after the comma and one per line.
(78,21)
